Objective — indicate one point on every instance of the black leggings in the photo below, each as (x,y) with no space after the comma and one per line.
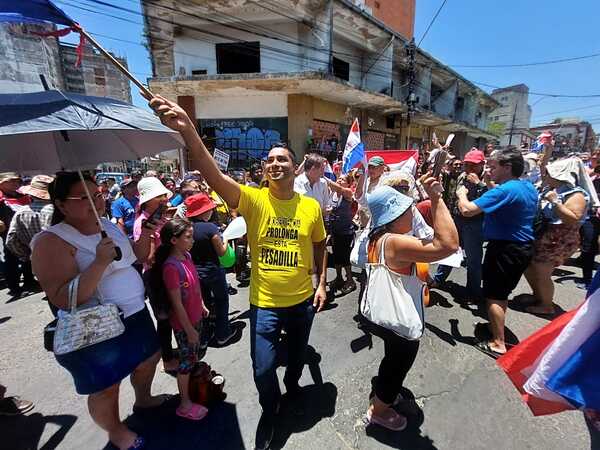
(400,355)
(589,232)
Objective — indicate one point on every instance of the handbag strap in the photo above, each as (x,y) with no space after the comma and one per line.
(382,249)
(413,266)
(73,290)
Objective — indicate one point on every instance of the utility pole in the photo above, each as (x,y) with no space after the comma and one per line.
(512,125)
(411,99)
(331,37)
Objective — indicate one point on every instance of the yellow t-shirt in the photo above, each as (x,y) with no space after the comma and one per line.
(281,234)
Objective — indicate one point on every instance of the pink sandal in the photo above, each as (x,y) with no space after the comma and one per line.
(196,412)
(395,423)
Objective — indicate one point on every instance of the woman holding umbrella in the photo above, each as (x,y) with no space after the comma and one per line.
(74,246)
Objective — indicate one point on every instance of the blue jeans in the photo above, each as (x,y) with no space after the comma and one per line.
(265,330)
(471,236)
(216,298)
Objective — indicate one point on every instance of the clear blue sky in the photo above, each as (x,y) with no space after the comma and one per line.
(474,32)
(469,32)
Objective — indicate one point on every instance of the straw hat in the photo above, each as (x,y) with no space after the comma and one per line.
(7,176)
(38,187)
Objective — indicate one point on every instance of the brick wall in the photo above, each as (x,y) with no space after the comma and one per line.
(396,14)
(322,132)
(374,140)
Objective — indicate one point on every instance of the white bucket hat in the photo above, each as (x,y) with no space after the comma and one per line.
(151,187)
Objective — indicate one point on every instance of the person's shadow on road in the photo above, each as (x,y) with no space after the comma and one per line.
(317,402)
(25,432)
(162,429)
(314,403)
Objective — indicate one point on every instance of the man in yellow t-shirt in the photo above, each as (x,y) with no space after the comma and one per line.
(287,243)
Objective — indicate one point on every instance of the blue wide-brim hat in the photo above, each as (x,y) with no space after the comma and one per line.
(386,205)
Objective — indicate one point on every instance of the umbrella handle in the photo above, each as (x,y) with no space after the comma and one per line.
(118,252)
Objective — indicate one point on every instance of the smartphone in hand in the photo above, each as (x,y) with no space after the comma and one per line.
(156,215)
(438,163)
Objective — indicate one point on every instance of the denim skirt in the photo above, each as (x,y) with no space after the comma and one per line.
(101,365)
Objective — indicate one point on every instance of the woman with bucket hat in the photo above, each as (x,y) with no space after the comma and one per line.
(153,198)
(390,246)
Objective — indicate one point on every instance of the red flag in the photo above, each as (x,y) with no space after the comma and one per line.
(63,33)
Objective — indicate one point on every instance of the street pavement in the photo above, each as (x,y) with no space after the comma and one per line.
(455,397)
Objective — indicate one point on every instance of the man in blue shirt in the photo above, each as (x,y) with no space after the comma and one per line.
(123,208)
(510,210)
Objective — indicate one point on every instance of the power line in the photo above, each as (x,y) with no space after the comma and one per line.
(281,51)
(567,110)
(539,63)
(431,23)
(539,93)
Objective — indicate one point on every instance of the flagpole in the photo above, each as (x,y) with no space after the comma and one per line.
(116,63)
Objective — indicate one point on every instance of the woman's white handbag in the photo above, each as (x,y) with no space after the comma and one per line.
(81,328)
(394,301)
(358,255)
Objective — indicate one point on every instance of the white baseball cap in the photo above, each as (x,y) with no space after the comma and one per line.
(151,187)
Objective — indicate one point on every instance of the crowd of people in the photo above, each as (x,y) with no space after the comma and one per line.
(511,213)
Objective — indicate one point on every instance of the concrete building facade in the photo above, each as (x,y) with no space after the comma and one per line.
(513,115)
(95,75)
(570,135)
(254,73)
(24,56)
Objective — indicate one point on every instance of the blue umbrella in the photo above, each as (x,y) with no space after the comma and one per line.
(51,130)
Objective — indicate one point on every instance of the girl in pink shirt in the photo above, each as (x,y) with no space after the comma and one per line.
(186,308)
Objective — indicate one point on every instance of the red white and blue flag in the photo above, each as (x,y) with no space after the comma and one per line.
(405,160)
(354,152)
(557,368)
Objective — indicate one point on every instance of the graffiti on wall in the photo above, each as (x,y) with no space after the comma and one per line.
(244,139)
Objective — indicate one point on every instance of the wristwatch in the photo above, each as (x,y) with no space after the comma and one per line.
(557,201)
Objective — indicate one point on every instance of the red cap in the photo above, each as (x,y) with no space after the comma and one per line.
(198,204)
(474,156)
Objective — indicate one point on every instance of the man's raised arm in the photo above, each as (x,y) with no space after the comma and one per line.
(173,116)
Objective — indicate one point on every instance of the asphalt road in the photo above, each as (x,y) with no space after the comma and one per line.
(456,397)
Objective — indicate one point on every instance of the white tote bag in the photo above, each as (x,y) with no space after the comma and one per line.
(394,301)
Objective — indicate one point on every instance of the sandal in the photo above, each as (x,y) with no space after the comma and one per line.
(397,422)
(484,347)
(14,406)
(348,287)
(196,412)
